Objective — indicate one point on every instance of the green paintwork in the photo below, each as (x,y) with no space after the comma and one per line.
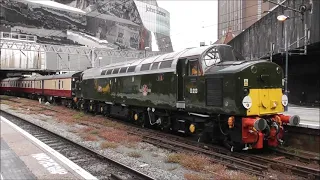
(163,94)
(233,86)
(232,69)
(141,90)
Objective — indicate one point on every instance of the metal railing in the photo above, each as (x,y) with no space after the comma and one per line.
(16,36)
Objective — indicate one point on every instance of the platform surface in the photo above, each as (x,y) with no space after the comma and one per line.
(309,117)
(22,157)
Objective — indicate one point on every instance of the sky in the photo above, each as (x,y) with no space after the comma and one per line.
(187,19)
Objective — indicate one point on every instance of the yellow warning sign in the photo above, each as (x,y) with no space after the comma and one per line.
(245,82)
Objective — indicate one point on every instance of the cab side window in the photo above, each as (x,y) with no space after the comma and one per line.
(194,69)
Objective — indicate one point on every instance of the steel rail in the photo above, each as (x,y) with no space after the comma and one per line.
(43,133)
(215,152)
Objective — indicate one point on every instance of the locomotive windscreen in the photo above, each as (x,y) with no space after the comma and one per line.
(228,54)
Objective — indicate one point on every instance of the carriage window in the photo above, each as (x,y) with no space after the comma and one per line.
(55,84)
(59,85)
(194,68)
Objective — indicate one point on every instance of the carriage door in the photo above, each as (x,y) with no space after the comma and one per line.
(42,86)
(181,68)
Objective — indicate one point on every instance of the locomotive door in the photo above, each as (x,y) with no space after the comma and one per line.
(181,69)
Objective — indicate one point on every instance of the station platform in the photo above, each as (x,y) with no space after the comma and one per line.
(309,117)
(25,157)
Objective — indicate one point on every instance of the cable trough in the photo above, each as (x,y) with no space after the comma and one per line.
(98,165)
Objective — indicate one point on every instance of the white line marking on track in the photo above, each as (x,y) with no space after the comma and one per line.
(62,158)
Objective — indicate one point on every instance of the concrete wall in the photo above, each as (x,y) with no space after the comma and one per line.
(255,41)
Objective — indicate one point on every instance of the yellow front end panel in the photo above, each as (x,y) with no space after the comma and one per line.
(265,101)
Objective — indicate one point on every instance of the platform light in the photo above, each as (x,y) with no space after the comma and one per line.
(282,18)
(145,51)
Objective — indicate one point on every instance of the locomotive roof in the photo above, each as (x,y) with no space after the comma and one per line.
(157,64)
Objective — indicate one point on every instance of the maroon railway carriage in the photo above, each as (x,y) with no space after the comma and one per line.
(17,85)
(50,87)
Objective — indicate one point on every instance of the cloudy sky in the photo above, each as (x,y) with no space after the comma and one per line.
(187,19)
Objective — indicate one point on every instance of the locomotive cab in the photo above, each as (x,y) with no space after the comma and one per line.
(242,97)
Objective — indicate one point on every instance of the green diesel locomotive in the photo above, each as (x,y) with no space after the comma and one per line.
(208,92)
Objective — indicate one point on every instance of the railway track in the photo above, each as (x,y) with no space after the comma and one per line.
(300,156)
(254,164)
(98,165)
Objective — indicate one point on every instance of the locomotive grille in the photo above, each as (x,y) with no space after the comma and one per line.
(214,92)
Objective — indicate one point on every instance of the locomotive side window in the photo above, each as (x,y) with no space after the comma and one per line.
(165,64)
(131,68)
(145,67)
(123,70)
(103,72)
(115,71)
(109,71)
(155,65)
(194,68)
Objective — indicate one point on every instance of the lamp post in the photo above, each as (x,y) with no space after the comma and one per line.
(145,51)
(283,18)
(99,60)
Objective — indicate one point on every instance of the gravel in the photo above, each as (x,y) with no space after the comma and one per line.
(151,162)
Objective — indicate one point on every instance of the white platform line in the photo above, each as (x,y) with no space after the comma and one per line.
(83,173)
(1,177)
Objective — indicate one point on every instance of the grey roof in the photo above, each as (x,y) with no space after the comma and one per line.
(56,76)
(11,79)
(162,61)
(60,76)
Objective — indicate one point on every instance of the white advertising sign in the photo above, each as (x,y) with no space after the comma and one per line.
(154,18)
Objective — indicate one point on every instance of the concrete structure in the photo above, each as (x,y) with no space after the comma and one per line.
(120,24)
(21,53)
(89,33)
(265,39)
(238,15)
